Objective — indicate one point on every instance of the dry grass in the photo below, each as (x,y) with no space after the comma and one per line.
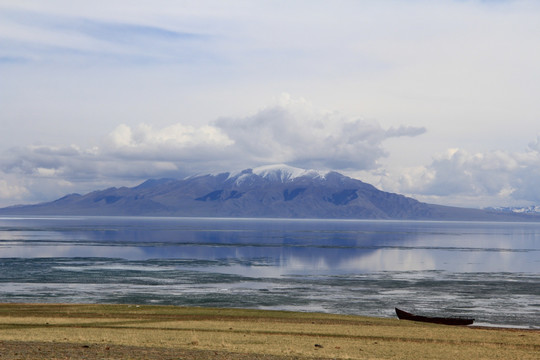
(164,332)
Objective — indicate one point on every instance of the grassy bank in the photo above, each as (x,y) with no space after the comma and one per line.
(166,332)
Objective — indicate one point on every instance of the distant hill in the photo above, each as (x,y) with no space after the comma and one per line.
(272,191)
(532,209)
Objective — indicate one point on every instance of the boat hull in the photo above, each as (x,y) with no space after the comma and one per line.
(403,315)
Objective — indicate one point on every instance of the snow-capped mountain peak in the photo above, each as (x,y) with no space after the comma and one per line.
(280,173)
(285,173)
(268,191)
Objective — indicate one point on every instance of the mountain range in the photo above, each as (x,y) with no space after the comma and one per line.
(277,191)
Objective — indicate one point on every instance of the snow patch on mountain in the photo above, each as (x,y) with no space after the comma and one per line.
(280,173)
(275,173)
(285,173)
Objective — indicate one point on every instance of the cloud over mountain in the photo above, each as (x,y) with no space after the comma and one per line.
(295,133)
(292,132)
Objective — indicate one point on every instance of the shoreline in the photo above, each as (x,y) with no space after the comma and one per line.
(96,331)
(476,325)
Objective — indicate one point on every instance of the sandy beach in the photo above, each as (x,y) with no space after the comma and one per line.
(58,331)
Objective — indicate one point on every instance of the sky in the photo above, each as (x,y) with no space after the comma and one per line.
(437,100)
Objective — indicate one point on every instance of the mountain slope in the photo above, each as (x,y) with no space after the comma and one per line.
(271,191)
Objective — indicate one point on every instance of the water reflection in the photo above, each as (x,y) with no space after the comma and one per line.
(293,247)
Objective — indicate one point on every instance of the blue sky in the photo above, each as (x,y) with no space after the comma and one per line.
(436,100)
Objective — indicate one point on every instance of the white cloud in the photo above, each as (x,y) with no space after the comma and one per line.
(171,142)
(296,133)
(463,178)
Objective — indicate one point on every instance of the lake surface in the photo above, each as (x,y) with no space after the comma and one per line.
(489,271)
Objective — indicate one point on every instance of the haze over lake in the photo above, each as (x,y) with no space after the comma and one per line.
(489,271)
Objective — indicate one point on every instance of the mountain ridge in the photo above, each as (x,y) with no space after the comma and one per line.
(275,191)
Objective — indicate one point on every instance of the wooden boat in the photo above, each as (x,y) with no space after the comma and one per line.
(403,315)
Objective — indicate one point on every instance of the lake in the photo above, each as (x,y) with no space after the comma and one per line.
(486,270)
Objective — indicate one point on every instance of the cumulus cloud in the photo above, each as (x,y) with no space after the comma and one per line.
(294,132)
(173,142)
(480,179)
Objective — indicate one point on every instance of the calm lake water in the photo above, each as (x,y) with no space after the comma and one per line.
(489,271)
